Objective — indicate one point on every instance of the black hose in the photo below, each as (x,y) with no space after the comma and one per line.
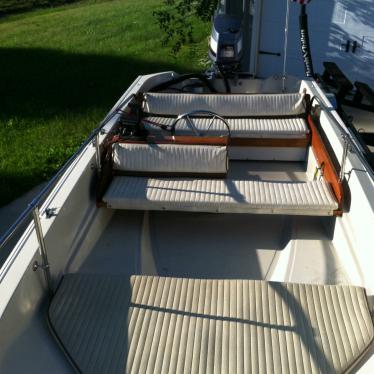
(58,340)
(227,85)
(182,78)
(305,44)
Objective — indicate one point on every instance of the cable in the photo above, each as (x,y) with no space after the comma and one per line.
(285,47)
(182,78)
(59,342)
(305,44)
(227,85)
(160,125)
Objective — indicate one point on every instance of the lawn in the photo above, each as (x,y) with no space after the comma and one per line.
(61,69)
(16,6)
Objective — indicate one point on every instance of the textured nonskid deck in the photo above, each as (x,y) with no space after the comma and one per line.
(145,324)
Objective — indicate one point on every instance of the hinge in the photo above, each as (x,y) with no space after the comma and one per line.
(36,266)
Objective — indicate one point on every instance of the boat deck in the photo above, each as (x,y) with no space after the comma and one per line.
(159,284)
(244,245)
(170,292)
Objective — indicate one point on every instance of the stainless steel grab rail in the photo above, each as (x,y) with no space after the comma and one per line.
(52,182)
(33,208)
(5,238)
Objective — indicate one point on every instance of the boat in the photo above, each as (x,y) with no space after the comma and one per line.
(198,230)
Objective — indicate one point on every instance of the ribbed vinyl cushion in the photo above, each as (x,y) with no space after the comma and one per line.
(226,105)
(240,127)
(221,196)
(146,324)
(173,158)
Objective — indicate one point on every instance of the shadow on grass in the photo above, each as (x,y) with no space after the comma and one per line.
(38,83)
(44,96)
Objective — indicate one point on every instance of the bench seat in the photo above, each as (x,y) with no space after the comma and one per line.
(227,105)
(278,128)
(221,196)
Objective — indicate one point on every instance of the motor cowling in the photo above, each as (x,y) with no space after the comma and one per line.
(226,40)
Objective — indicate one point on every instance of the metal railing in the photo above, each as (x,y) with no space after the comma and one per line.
(350,143)
(36,202)
(33,210)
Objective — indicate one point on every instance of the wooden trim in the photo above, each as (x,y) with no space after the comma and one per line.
(270,142)
(222,141)
(330,174)
(187,140)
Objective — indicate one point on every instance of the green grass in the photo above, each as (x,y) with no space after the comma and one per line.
(12,6)
(16,6)
(62,69)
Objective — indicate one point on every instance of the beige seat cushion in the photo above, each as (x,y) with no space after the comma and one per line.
(288,128)
(226,105)
(221,196)
(147,324)
(170,158)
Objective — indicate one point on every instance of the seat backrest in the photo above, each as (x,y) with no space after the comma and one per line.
(170,159)
(233,105)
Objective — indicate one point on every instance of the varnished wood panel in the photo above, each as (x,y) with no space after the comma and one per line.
(330,174)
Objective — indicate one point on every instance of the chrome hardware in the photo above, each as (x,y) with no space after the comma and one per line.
(321,169)
(45,264)
(346,148)
(346,46)
(191,125)
(354,145)
(355,46)
(36,266)
(51,212)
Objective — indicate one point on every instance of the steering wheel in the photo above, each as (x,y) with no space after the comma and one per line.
(189,116)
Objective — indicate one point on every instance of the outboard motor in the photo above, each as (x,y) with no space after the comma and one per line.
(226,42)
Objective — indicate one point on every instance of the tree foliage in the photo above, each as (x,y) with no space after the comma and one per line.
(176,20)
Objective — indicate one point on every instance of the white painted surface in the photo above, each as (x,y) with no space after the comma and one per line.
(267,153)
